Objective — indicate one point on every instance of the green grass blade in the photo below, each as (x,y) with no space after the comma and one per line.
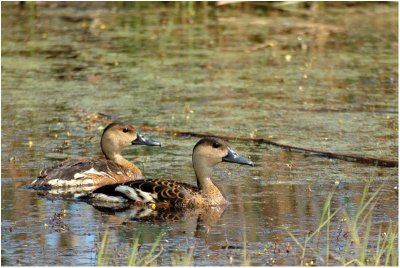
(102,251)
(134,252)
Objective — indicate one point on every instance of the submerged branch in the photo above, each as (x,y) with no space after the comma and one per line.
(346,157)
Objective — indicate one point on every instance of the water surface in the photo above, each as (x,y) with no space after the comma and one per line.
(324,79)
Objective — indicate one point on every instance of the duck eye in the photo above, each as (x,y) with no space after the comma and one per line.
(216,145)
(125,130)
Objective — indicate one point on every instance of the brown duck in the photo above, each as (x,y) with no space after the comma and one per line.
(207,153)
(93,173)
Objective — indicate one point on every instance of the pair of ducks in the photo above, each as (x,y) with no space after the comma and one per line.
(116,179)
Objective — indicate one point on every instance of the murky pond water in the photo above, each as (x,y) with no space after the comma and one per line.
(324,79)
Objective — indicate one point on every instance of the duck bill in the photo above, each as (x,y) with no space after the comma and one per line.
(142,140)
(234,157)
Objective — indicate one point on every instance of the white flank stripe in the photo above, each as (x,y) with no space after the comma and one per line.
(78,176)
(129,192)
(91,171)
(55,182)
(106,198)
(147,197)
(71,183)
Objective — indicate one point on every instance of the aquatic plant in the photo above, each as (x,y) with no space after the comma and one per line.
(185,259)
(106,257)
(359,248)
(136,258)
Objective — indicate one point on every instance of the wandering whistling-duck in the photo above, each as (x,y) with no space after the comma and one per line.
(93,173)
(167,193)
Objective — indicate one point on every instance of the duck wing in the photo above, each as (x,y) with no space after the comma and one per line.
(81,172)
(169,192)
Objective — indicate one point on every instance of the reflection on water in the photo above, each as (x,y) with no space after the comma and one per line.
(303,80)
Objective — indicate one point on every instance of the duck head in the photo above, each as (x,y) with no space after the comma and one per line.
(210,151)
(117,136)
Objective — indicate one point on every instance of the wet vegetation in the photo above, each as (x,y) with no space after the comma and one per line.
(352,234)
(343,230)
(274,78)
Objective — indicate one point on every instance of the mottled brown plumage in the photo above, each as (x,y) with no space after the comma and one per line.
(167,193)
(82,172)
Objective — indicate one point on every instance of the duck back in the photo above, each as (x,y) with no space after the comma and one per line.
(84,172)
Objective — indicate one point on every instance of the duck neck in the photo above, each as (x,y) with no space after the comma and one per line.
(120,160)
(203,176)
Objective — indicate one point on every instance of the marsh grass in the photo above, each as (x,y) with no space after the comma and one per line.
(184,259)
(359,248)
(106,256)
(246,257)
(136,256)
(342,237)
(324,221)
